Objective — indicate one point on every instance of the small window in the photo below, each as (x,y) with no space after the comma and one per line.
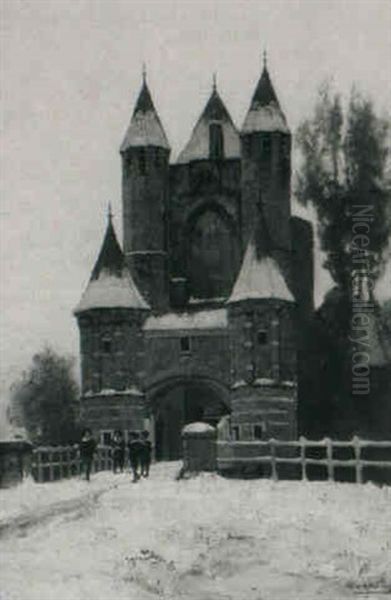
(235,433)
(185,345)
(216,141)
(157,158)
(128,162)
(284,153)
(266,146)
(106,345)
(259,431)
(105,437)
(142,161)
(262,337)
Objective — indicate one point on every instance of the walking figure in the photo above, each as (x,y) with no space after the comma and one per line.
(87,449)
(145,453)
(135,450)
(118,446)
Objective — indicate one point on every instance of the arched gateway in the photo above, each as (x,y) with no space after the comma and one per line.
(178,401)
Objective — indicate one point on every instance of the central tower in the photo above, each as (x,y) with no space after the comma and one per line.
(145,162)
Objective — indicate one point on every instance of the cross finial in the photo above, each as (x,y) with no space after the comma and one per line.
(214,81)
(109,213)
(144,72)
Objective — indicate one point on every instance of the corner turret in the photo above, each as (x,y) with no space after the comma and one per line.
(110,316)
(266,164)
(145,156)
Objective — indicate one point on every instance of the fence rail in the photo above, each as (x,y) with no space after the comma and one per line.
(50,463)
(244,454)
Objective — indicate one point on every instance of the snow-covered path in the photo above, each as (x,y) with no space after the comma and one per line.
(201,539)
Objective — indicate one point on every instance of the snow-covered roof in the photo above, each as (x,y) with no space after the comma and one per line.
(197,148)
(110,291)
(111,284)
(265,113)
(265,118)
(206,319)
(259,278)
(132,391)
(198,428)
(145,128)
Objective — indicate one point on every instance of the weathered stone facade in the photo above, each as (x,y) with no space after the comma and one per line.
(198,315)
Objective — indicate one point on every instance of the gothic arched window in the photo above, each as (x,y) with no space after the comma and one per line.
(213,255)
(216,141)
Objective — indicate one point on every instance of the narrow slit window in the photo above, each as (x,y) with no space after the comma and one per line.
(142,162)
(106,346)
(235,433)
(266,146)
(185,345)
(259,431)
(105,437)
(262,337)
(216,141)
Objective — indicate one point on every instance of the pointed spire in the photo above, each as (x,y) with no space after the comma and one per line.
(264,59)
(265,113)
(110,258)
(214,85)
(215,111)
(145,127)
(109,213)
(111,284)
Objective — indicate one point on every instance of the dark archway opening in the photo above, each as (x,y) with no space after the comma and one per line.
(178,405)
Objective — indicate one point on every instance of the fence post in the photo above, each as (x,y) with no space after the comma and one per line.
(330,464)
(51,468)
(39,466)
(302,441)
(357,454)
(273,459)
(60,460)
(68,458)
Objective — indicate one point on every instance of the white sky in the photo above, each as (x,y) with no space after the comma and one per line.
(70,73)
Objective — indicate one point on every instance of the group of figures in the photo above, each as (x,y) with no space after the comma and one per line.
(139,451)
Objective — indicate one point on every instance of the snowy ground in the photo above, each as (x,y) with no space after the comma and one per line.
(207,538)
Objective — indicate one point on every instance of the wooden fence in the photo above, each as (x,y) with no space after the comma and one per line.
(50,463)
(299,456)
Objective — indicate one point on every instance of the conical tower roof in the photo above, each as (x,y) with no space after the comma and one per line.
(111,284)
(265,113)
(145,127)
(215,111)
(260,277)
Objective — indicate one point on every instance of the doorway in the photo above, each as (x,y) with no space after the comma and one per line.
(178,405)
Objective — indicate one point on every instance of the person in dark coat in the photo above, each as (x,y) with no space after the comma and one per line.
(87,449)
(135,450)
(118,449)
(145,453)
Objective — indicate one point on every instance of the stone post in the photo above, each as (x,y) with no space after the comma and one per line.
(199,447)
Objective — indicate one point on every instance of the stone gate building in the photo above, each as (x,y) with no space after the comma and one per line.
(197,315)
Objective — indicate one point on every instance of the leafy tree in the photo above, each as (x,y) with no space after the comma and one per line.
(343,171)
(45,399)
(344,166)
